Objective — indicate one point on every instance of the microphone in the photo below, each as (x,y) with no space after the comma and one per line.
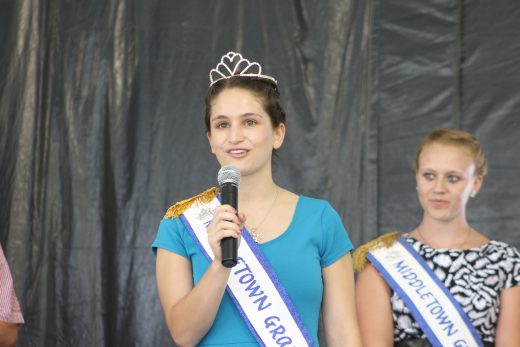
(228,179)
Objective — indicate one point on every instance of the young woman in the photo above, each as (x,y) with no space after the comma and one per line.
(299,241)
(465,291)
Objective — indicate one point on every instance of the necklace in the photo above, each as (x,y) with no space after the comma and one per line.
(459,246)
(253,230)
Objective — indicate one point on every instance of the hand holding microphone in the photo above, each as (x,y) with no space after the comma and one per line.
(228,179)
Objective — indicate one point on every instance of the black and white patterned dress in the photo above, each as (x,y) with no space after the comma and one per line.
(474,276)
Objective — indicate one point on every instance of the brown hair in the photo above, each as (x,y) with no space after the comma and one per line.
(456,138)
(264,89)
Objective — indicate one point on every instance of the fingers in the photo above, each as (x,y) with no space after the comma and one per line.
(226,213)
(227,229)
(242,218)
(226,223)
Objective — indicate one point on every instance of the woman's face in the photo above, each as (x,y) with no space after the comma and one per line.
(242,134)
(445,179)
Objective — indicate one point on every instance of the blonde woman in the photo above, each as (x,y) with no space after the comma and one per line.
(444,283)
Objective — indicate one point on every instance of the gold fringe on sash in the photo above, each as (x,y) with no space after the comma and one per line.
(359,256)
(203,198)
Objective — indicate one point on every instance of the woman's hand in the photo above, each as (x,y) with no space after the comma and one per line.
(225,223)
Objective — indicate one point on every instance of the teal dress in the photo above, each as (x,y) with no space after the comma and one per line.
(315,239)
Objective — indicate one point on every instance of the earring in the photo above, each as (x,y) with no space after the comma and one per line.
(417,188)
(472,194)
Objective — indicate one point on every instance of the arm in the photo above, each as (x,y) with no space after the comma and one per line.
(8,334)
(8,331)
(374,309)
(508,333)
(190,310)
(339,309)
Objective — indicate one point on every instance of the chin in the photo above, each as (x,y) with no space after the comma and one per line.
(438,213)
(233,162)
(241,167)
(444,216)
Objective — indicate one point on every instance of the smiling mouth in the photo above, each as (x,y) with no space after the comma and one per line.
(237,151)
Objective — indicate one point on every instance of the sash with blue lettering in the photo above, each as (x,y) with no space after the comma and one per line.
(439,315)
(253,286)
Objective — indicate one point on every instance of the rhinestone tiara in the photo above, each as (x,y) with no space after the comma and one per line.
(233,64)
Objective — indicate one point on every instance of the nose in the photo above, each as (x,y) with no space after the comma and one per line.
(235,134)
(439,186)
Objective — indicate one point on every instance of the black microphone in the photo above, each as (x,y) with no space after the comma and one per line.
(228,179)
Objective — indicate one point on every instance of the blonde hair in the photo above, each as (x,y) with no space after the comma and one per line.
(458,138)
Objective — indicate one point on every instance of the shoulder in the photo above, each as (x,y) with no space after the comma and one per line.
(316,205)
(502,249)
(178,208)
(360,253)
(503,259)
(173,233)
(319,211)
(313,201)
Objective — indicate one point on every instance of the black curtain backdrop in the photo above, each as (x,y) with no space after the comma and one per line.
(101,129)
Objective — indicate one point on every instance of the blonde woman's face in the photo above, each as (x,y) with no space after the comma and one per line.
(445,179)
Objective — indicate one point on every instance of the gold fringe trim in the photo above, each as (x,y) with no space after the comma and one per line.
(359,256)
(203,198)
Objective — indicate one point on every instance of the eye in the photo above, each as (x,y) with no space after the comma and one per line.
(222,125)
(453,179)
(250,122)
(429,176)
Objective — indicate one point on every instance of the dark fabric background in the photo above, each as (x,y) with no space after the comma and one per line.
(101,108)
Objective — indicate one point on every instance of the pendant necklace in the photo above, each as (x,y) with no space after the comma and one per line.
(253,230)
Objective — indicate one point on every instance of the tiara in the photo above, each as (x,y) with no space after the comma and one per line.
(233,64)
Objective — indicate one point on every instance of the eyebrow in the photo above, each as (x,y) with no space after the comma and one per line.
(244,115)
(447,172)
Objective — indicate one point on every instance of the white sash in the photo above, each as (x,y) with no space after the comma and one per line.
(439,315)
(253,286)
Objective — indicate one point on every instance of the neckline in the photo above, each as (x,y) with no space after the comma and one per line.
(289,227)
(479,248)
